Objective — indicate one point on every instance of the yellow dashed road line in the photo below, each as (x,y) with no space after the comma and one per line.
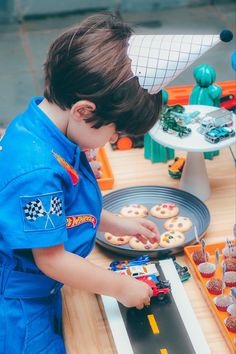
(153,324)
(164,351)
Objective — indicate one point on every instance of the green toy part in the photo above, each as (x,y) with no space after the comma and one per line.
(153,150)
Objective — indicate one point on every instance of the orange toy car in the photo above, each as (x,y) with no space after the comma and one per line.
(175,170)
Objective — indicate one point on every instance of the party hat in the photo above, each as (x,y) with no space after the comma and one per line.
(159,59)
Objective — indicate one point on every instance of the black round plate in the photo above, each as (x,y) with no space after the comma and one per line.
(188,204)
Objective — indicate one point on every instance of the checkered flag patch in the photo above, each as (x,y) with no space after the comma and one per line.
(56,206)
(34,209)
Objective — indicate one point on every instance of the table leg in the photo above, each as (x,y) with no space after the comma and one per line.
(194,178)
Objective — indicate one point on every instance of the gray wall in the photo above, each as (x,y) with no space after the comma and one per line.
(15,10)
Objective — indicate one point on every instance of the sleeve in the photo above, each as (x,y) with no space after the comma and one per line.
(32,213)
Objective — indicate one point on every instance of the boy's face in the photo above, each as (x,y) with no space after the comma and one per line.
(86,137)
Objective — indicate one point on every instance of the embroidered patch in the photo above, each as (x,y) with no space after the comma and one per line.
(43,212)
(76,220)
(72,172)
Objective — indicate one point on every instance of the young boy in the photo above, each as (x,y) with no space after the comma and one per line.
(51,206)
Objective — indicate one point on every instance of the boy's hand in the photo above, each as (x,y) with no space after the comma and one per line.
(96,167)
(143,229)
(79,273)
(134,293)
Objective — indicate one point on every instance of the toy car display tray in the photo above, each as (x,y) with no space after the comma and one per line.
(188,204)
(220,316)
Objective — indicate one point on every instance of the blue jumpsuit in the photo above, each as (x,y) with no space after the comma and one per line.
(48,196)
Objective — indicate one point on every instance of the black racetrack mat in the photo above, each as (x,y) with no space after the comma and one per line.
(173,336)
(165,327)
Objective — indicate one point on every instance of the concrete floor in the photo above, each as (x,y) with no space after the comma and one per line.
(24,47)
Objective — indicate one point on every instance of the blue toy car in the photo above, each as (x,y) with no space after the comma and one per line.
(219,133)
(119,265)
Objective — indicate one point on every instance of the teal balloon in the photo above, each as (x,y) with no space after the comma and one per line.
(205,92)
(165,97)
(204,75)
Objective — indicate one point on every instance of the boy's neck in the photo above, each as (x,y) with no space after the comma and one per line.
(55,114)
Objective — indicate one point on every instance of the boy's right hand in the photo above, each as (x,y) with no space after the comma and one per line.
(134,293)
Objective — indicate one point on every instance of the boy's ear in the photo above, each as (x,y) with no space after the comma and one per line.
(82,109)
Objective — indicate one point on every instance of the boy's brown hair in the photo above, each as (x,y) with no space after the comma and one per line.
(90,62)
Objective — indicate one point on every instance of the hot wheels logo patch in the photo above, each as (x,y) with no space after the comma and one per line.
(76,220)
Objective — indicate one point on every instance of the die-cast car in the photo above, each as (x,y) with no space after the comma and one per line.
(170,125)
(175,170)
(219,133)
(142,269)
(182,271)
(218,118)
(185,118)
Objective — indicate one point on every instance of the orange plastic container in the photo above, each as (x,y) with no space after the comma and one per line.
(219,315)
(107,179)
(181,94)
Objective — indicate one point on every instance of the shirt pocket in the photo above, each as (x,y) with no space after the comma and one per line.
(41,337)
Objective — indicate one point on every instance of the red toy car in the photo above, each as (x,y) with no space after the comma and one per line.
(160,288)
(142,269)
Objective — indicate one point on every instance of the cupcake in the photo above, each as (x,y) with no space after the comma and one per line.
(230,279)
(214,286)
(226,251)
(207,269)
(230,323)
(199,256)
(232,310)
(223,301)
(230,264)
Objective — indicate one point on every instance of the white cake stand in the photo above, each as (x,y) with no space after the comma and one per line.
(194,178)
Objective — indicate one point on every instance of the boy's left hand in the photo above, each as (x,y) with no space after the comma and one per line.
(144,229)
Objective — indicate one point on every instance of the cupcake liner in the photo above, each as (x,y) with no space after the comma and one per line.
(206,269)
(230,284)
(213,291)
(228,327)
(228,269)
(230,279)
(225,252)
(231,309)
(222,308)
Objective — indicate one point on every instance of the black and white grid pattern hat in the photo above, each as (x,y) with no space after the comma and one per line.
(159,59)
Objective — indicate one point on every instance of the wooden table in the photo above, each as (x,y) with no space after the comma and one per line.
(86,331)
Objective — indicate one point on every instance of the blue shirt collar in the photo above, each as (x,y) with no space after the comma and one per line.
(46,128)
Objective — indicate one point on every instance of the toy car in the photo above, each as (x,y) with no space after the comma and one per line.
(118,265)
(142,269)
(170,124)
(182,271)
(160,288)
(221,117)
(217,134)
(175,108)
(175,170)
(218,118)
(185,118)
